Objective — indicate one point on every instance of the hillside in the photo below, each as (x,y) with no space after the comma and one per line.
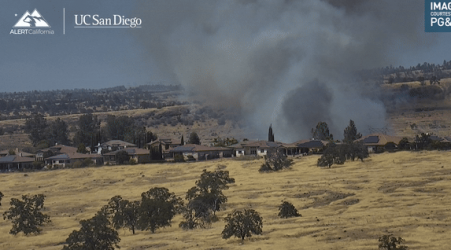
(345,207)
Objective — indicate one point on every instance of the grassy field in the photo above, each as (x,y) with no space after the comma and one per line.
(345,207)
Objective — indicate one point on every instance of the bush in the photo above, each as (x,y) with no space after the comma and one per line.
(76,164)
(287,210)
(191,158)
(179,158)
(275,162)
(88,162)
(38,164)
(390,146)
(132,161)
(390,242)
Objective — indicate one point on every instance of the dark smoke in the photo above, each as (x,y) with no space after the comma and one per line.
(289,63)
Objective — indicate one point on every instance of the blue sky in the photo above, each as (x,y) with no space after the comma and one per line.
(98,58)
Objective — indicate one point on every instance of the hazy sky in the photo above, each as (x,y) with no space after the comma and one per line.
(97,58)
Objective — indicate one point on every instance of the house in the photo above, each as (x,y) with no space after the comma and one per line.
(70,158)
(55,150)
(200,152)
(376,142)
(166,144)
(140,155)
(4,153)
(311,146)
(15,162)
(114,145)
(255,148)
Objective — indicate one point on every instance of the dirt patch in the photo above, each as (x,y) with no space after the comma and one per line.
(349,202)
(323,197)
(391,187)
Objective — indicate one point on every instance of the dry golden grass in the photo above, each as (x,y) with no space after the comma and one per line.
(404,193)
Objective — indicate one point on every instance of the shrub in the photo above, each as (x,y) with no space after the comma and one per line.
(390,242)
(275,162)
(191,158)
(88,162)
(179,158)
(132,161)
(38,164)
(287,210)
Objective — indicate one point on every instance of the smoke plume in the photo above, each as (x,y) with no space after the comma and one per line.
(289,63)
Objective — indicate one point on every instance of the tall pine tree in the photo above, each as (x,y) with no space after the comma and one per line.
(270,134)
(350,133)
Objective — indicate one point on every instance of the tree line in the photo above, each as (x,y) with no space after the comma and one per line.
(79,101)
(89,131)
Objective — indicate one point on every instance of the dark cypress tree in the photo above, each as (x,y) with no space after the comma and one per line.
(182,141)
(270,134)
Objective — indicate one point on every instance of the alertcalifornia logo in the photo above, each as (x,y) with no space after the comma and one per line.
(32,24)
(437,16)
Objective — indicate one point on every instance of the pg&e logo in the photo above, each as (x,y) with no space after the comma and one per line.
(437,16)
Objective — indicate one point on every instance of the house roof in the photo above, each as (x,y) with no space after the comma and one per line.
(196,148)
(311,143)
(378,139)
(61,149)
(17,152)
(15,159)
(166,140)
(131,151)
(261,144)
(118,143)
(73,156)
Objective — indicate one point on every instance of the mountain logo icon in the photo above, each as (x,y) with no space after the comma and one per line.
(33,20)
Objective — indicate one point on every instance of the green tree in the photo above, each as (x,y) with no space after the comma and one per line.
(36,126)
(287,210)
(158,207)
(1,196)
(123,213)
(88,126)
(82,148)
(95,233)
(122,156)
(120,128)
(182,142)
(350,133)
(404,144)
(11,152)
(197,214)
(57,132)
(390,242)
(242,224)
(321,132)
(209,188)
(194,138)
(26,214)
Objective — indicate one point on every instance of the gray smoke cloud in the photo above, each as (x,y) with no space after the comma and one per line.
(289,63)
